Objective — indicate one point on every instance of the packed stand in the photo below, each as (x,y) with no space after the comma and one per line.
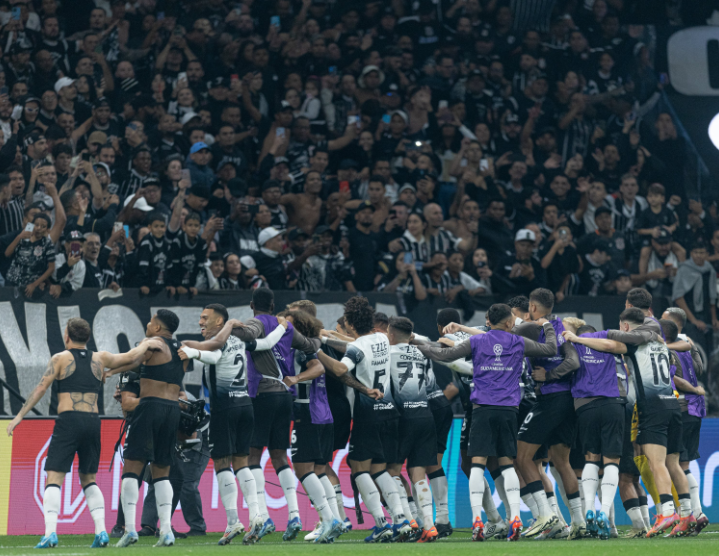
(448,149)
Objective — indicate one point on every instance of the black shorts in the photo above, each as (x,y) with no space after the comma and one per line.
(311,443)
(466,428)
(231,431)
(74,432)
(691,426)
(662,427)
(493,432)
(601,428)
(153,434)
(417,442)
(443,419)
(551,421)
(525,406)
(342,417)
(273,418)
(626,463)
(375,441)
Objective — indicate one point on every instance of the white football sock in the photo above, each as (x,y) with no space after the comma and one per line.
(391,496)
(668,508)
(685,505)
(440,491)
(610,481)
(96,505)
(530,502)
(51,508)
(488,504)
(694,493)
(511,487)
(370,497)
(130,495)
(330,496)
(289,487)
(644,509)
(314,489)
(590,484)
(259,476)
(424,496)
(340,502)
(575,510)
(163,501)
(499,482)
(248,486)
(476,491)
(228,494)
(403,497)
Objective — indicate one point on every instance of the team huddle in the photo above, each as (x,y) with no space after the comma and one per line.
(603,408)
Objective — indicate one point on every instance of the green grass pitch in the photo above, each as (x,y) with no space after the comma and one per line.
(459,543)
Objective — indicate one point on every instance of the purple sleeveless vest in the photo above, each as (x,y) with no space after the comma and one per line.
(497,357)
(597,373)
(696,406)
(553,362)
(282,352)
(319,405)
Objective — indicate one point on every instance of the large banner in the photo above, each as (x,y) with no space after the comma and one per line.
(22,483)
(32,331)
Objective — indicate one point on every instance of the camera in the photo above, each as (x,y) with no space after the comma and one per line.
(192,416)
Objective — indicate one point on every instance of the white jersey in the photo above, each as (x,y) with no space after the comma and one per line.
(649,368)
(367,358)
(409,380)
(225,375)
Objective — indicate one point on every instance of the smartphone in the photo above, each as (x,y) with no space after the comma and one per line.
(442,104)
(185,175)
(182,76)
(333,70)
(132,126)
(98,49)
(234,77)
(275,21)
(352,120)
(127,230)
(160,16)
(387,119)
(484,165)
(408,258)
(29,227)
(16,13)
(280,132)
(253,209)
(177,31)
(418,265)
(3,91)
(86,157)
(663,78)
(116,227)
(75,248)
(481,264)
(16,112)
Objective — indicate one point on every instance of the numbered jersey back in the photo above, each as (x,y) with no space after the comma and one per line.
(409,380)
(226,382)
(649,367)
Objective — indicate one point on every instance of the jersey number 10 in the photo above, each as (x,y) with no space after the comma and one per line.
(660,368)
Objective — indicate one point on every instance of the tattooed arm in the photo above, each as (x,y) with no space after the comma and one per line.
(51,373)
(341,373)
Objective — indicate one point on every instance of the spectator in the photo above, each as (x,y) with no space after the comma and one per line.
(695,291)
(405,281)
(363,248)
(232,278)
(326,270)
(70,268)
(33,256)
(521,271)
(267,263)
(561,263)
(154,264)
(594,276)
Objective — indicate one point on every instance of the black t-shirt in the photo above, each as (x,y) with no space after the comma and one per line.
(650,219)
(362,253)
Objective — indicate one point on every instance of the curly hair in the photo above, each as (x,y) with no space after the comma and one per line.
(359,314)
(306,324)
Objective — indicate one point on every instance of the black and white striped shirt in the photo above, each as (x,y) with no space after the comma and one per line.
(443,286)
(131,184)
(442,241)
(419,249)
(532,14)
(626,218)
(576,139)
(11,215)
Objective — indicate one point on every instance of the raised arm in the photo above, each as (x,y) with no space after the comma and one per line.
(269,341)
(547,349)
(600,344)
(447,355)
(37,394)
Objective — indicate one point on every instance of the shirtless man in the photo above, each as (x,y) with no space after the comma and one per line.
(304,209)
(79,373)
(464,224)
(376,193)
(157,417)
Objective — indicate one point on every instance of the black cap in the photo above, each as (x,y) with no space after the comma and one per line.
(623,272)
(102,101)
(200,191)
(237,187)
(319,230)
(151,181)
(365,205)
(348,163)
(664,237)
(74,234)
(601,244)
(297,232)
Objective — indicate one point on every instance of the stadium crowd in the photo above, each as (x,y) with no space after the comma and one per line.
(445,148)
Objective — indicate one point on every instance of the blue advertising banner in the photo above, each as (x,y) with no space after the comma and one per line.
(704,470)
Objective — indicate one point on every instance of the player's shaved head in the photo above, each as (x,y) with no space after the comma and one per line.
(401,326)
(498,313)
